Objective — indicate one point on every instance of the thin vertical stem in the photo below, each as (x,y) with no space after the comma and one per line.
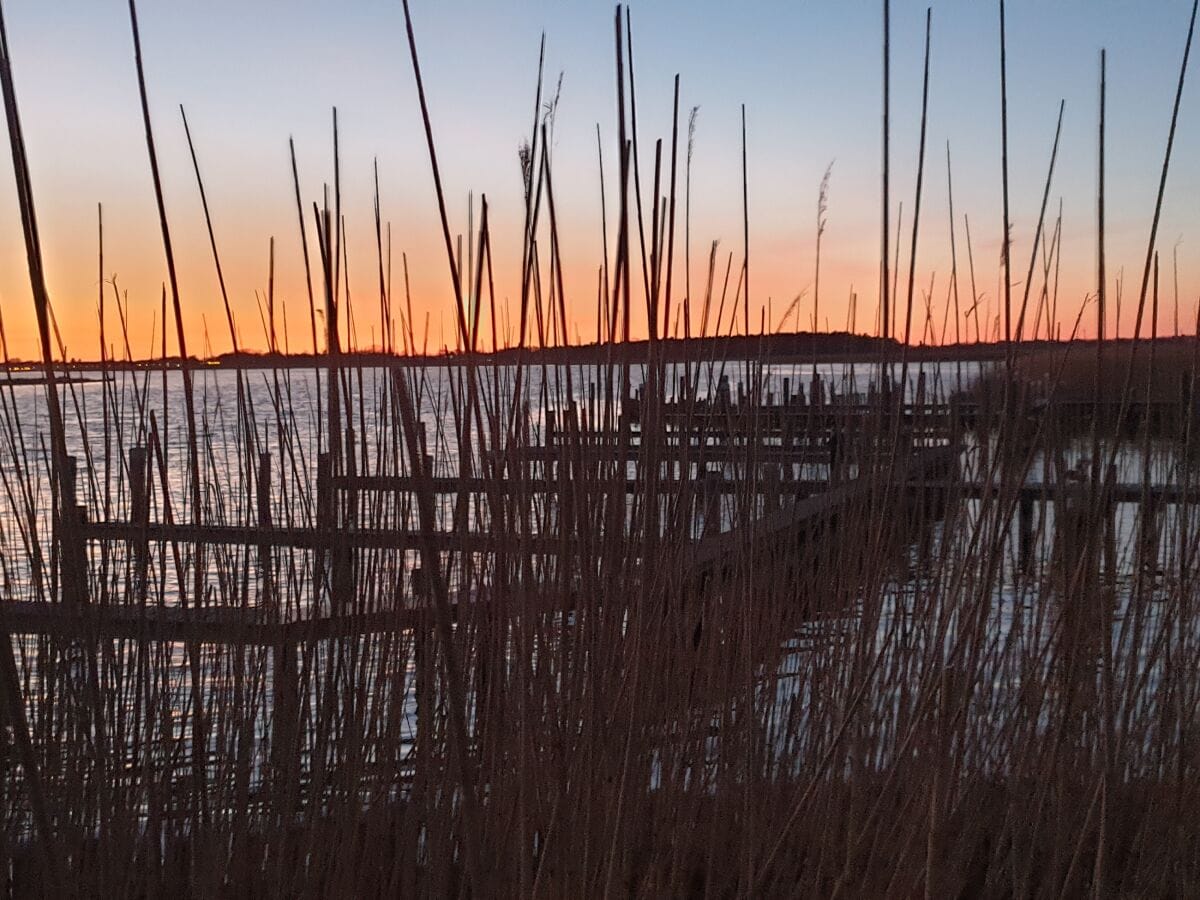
(885,254)
(1007,246)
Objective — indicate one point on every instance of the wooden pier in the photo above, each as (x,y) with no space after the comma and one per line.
(808,508)
(727,486)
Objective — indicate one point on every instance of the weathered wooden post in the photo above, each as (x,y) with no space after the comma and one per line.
(324,490)
(771,490)
(139,506)
(139,515)
(835,453)
(1067,529)
(787,443)
(1109,511)
(325,525)
(1025,530)
(343,560)
(263,501)
(71,539)
(551,442)
(423,441)
(722,392)
(70,466)
(285,717)
(423,675)
(1149,531)
(560,477)
(713,480)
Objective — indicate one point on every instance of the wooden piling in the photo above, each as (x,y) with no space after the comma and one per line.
(285,718)
(1148,532)
(424,675)
(266,563)
(1025,531)
(343,559)
(771,488)
(325,523)
(712,501)
(1109,512)
(71,540)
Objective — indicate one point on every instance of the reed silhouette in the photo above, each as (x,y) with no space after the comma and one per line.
(653,620)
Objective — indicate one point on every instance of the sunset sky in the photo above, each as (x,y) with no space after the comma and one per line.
(251,73)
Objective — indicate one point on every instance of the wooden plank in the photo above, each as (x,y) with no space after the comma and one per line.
(400,484)
(312,538)
(258,627)
(207,625)
(762,454)
(1119,493)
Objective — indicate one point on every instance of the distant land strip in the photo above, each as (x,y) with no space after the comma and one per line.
(775,349)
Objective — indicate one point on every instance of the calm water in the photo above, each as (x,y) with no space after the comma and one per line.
(282,413)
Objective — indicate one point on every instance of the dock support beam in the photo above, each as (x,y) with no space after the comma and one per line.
(285,720)
(265,561)
(1025,532)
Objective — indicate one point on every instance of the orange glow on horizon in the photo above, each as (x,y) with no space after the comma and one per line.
(776,305)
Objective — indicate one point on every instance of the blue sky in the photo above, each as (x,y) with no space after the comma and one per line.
(252,73)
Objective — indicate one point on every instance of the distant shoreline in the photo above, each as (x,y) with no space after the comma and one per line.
(780,349)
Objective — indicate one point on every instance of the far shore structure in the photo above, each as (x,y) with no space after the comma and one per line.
(733,613)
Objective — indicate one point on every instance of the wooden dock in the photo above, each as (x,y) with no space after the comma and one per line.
(721,492)
(797,518)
